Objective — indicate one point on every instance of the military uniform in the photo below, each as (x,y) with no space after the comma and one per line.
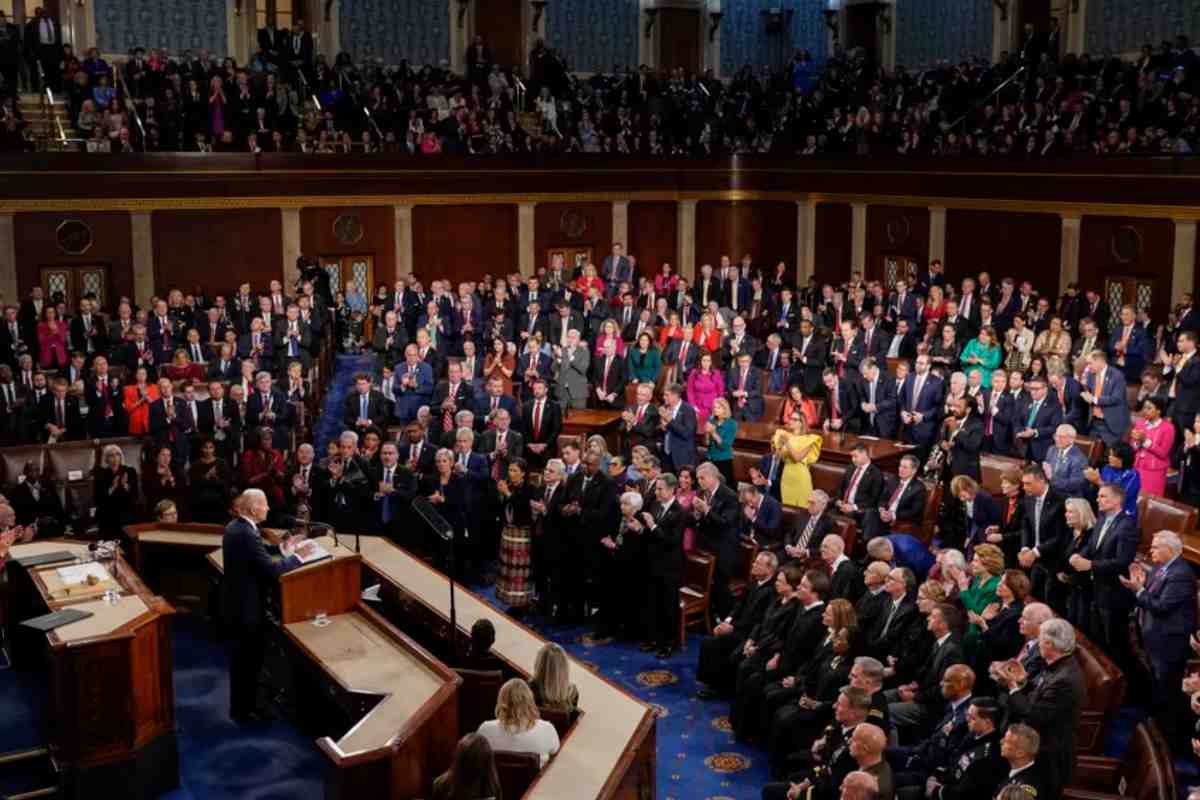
(976,773)
(938,751)
(1033,779)
(826,776)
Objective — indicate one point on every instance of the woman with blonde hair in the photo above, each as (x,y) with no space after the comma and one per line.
(1076,585)
(598,445)
(978,591)
(551,684)
(518,727)
(797,449)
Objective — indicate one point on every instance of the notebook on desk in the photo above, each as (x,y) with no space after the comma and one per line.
(56,619)
(46,558)
(315,553)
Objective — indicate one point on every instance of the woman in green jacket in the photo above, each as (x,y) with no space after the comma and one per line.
(982,353)
(978,591)
(644,360)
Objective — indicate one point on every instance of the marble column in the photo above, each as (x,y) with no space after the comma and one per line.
(1068,265)
(1183,271)
(685,237)
(620,223)
(806,241)
(142,237)
(402,230)
(526,257)
(937,233)
(9,291)
(858,238)
(290,228)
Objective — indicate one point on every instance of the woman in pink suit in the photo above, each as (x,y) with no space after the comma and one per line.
(704,385)
(52,339)
(1153,438)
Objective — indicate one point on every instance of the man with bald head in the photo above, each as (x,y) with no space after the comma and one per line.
(934,755)
(251,570)
(867,744)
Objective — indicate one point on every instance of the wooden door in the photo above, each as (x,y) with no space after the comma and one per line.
(1127,290)
(897,267)
(502,31)
(356,270)
(679,38)
(76,282)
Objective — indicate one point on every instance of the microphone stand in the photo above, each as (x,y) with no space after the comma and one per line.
(446,533)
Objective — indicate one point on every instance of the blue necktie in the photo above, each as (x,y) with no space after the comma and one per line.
(1033,410)
(363,413)
(387,498)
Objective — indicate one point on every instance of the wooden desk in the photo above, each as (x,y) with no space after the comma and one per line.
(111,699)
(835,448)
(403,700)
(591,421)
(610,752)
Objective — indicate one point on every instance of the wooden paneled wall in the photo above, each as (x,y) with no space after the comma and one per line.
(833,244)
(36,243)
(1022,246)
(464,243)
(557,225)
(653,235)
(217,250)
(377,224)
(765,230)
(895,231)
(1123,246)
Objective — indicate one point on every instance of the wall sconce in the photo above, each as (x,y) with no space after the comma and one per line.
(463,5)
(715,17)
(651,16)
(1003,6)
(539,7)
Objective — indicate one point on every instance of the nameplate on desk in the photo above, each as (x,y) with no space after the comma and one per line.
(56,619)
(46,558)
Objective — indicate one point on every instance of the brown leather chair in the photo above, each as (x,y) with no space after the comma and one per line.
(631,394)
(517,771)
(71,461)
(477,697)
(1145,772)
(134,449)
(1092,448)
(747,552)
(695,593)
(993,468)
(1105,686)
(561,720)
(15,458)
(1160,514)
(827,477)
(564,438)
(1131,394)
(933,502)
(743,460)
(772,407)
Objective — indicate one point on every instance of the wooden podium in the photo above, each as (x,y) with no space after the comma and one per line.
(110,721)
(402,702)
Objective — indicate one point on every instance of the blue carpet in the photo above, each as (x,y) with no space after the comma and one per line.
(329,425)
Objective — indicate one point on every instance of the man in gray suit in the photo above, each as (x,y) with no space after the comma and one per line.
(571,363)
(616,270)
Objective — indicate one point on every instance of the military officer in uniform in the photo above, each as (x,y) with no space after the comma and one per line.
(832,760)
(977,769)
(1020,749)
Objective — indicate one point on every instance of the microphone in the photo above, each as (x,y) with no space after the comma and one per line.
(289,521)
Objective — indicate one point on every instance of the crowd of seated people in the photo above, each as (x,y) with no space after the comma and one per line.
(1035,102)
(468,404)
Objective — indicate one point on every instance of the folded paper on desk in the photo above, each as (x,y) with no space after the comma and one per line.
(79,573)
(56,619)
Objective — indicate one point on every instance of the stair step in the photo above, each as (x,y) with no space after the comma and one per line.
(28,774)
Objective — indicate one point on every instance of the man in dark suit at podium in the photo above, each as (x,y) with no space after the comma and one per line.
(250,572)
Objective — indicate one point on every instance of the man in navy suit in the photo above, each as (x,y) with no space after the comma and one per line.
(1108,553)
(249,574)
(415,384)
(766,475)
(494,399)
(1044,538)
(171,423)
(1181,372)
(1064,463)
(762,517)
(616,269)
(364,406)
(1067,390)
(415,452)
(1166,607)
(902,305)
(678,422)
(1128,346)
(1035,421)
(745,389)
(878,404)
(1104,389)
(920,404)
(268,406)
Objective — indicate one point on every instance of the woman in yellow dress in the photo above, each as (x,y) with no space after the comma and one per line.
(797,448)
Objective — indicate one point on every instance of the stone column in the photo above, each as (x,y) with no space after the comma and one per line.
(685,235)
(1068,265)
(403,233)
(806,241)
(937,233)
(526,257)
(1183,271)
(327,32)
(290,228)
(459,36)
(142,236)
(1004,30)
(858,237)
(9,291)
(1075,25)
(620,223)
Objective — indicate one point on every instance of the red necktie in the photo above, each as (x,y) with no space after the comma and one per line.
(641,413)
(853,484)
(607,366)
(895,495)
(537,419)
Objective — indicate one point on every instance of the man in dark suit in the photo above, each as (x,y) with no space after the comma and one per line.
(1108,553)
(106,413)
(270,42)
(842,411)
(902,499)
(541,423)
(552,543)
(500,444)
(250,572)
(681,356)
(392,487)
(269,406)
(832,761)
(1044,539)
(171,423)
(875,340)
(1051,705)
(1129,347)
(707,289)
(1035,421)
(1024,771)
(902,305)
(744,383)
(640,420)
(608,377)
(920,406)
(364,406)
(861,484)
(762,517)
(415,452)
(878,402)
(416,384)
(844,578)
(964,440)
(616,269)
(678,422)
(808,358)
(715,670)
(453,395)
(89,333)
(1181,373)
(716,510)
(390,338)
(1104,389)
(803,542)
(934,754)
(661,529)
(298,50)
(224,367)
(1166,607)
(59,418)
(219,418)
(917,703)
(900,612)
(36,501)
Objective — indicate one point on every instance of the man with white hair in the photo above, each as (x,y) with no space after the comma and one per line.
(811,527)
(716,510)
(1166,613)
(843,573)
(1065,463)
(250,572)
(1051,704)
